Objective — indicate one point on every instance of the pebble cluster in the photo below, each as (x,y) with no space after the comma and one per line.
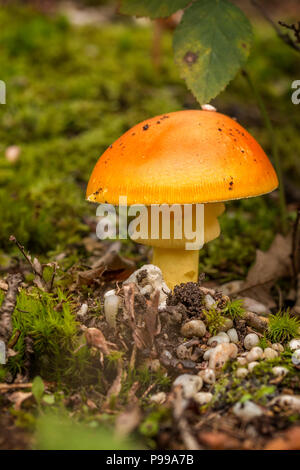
(229,343)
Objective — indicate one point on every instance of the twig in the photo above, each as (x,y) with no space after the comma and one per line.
(13,239)
(274,146)
(37,267)
(8,306)
(293,27)
(285,37)
(7,387)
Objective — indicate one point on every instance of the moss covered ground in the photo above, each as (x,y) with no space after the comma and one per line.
(71,91)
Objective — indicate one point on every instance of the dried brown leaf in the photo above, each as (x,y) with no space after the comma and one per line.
(18,398)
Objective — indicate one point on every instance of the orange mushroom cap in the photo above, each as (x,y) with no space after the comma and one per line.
(182,157)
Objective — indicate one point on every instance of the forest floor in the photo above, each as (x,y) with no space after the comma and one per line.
(73,378)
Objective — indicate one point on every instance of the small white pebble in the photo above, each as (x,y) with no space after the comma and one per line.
(242,372)
(247,411)
(250,341)
(202,398)
(296,357)
(82,311)
(270,353)
(221,354)
(294,344)
(219,339)
(158,398)
(191,384)
(223,334)
(209,301)
(255,354)
(233,336)
(208,376)
(193,328)
(228,323)
(279,371)
(251,365)
(277,347)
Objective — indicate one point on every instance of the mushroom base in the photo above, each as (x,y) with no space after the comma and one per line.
(176,265)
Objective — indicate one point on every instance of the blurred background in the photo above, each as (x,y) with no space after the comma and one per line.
(78,75)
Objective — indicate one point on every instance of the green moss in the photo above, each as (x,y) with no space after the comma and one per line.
(49,321)
(282,327)
(234,309)
(264,342)
(214,320)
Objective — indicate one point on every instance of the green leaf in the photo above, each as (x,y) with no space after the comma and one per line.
(38,388)
(211,43)
(152,8)
(49,399)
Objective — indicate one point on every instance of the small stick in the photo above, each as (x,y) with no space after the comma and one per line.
(7,387)
(13,239)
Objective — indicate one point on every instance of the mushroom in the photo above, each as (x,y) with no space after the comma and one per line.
(185,157)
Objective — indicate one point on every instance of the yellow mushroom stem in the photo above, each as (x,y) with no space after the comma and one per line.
(177,263)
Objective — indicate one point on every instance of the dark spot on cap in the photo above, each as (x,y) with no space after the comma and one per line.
(231,183)
(164,117)
(190,58)
(243,151)
(157,122)
(220,129)
(133,133)
(145,127)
